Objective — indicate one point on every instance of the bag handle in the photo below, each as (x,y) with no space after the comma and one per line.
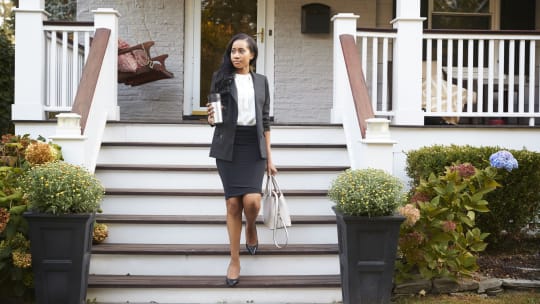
(278,218)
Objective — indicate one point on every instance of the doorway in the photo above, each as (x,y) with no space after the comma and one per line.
(209,26)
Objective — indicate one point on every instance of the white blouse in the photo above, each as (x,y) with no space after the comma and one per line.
(246,100)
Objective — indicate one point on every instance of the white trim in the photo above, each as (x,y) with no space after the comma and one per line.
(192,47)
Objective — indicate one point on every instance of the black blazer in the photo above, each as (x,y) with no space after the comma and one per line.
(223,140)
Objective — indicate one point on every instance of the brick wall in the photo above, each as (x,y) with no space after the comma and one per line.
(163,22)
(303,62)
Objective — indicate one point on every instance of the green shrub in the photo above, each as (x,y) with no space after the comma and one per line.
(7,81)
(512,206)
(366,192)
(61,188)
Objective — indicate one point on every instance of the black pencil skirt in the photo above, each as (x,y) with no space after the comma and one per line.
(245,173)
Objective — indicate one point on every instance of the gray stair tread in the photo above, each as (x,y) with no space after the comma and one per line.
(201,219)
(210,249)
(205,145)
(280,281)
(191,168)
(199,192)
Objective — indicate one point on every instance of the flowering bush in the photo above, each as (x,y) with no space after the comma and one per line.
(512,207)
(440,237)
(366,192)
(62,188)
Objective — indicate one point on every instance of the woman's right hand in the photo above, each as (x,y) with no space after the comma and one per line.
(210,113)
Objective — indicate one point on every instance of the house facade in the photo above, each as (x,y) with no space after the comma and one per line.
(298,63)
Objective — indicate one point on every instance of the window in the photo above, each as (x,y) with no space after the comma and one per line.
(459,14)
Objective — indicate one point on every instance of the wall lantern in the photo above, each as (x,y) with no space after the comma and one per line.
(315,18)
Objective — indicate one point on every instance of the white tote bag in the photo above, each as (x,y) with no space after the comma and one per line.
(276,214)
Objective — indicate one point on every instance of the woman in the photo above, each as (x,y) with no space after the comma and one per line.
(241,144)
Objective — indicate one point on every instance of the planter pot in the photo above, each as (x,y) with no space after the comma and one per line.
(367,254)
(60,247)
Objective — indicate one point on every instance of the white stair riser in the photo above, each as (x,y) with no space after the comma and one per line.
(199,156)
(213,234)
(216,295)
(317,180)
(213,265)
(179,133)
(192,205)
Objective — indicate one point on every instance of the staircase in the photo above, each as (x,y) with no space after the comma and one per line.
(165,210)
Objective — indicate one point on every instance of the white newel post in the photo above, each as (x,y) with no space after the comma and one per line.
(344,23)
(376,150)
(29,61)
(68,136)
(407,64)
(106,94)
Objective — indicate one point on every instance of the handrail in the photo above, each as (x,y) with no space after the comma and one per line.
(89,78)
(357,82)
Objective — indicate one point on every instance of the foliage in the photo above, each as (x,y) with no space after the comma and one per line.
(366,192)
(512,206)
(15,260)
(62,188)
(7,81)
(61,9)
(443,240)
(100,233)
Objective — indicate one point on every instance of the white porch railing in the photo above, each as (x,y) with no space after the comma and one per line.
(484,74)
(450,74)
(49,59)
(66,50)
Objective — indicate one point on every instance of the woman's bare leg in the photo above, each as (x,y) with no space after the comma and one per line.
(234,228)
(252,205)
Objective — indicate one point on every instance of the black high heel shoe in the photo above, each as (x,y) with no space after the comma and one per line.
(252,249)
(232,282)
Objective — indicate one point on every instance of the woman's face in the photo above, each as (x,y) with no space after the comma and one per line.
(241,56)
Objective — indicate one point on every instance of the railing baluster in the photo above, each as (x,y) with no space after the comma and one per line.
(449,68)
(364,55)
(521,79)
(491,55)
(500,76)
(480,77)
(439,74)
(74,67)
(459,106)
(532,74)
(374,74)
(470,67)
(64,69)
(428,76)
(384,93)
(511,60)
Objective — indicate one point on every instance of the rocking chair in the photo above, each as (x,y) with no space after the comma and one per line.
(136,66)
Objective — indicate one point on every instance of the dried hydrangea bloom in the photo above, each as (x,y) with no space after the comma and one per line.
(39,153)
(465,170)
(411,214)
(4,219)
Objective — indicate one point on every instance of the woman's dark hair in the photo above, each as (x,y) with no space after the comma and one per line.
(225,73)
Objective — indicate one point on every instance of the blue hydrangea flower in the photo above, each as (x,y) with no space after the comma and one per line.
(503,160)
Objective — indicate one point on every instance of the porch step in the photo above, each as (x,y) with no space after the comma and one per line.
(212,259)
(204,177)
(280,281)
(197,153)
(209,229)
(165,209)
(134,289)
(192,201)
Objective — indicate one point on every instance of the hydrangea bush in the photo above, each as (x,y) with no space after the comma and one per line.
(439,237)
(366,192)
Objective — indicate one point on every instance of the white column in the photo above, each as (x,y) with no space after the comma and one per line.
(68,136)
(376,150)
(106,94)
(344,23)
(29,61)
(407,64)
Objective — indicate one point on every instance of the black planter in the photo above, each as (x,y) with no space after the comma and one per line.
(60,247)
(367,254)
